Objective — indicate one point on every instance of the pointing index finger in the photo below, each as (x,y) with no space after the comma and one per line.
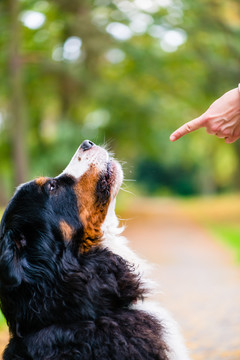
(187,128)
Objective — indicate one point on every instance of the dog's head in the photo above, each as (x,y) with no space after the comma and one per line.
(48,215)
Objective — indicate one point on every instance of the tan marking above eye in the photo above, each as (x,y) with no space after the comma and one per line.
(66,230)
(91,213)
(41,180)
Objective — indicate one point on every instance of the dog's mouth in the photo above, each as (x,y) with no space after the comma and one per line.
(111,172)
(113,176)
(90,156)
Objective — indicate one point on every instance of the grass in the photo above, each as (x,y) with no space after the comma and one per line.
(2,321)
(230,235)
(219,214)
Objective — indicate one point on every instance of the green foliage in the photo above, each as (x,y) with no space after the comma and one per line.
(131,93)
(154,176)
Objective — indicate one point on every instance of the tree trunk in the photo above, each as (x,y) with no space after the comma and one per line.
(18,124)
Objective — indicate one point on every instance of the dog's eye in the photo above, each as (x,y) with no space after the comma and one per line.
(52,185)
(20,241)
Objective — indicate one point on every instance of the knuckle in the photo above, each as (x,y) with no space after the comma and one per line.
(210,130)
(226,132)
(215,128)
(205,119)
(188,127)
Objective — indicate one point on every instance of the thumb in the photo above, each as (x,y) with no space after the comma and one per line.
(187,128)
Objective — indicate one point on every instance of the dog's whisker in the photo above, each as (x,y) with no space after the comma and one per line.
(107,145)
(127,191)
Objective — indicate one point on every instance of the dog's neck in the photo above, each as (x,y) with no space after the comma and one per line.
(110,227)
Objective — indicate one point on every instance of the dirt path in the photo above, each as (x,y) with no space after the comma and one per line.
(199,281)
(3,339)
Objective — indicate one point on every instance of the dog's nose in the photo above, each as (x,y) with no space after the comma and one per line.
(86,145)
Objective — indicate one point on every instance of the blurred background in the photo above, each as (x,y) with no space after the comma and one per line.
(125,73)
(122,72)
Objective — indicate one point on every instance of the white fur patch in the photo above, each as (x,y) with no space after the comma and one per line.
(172,335)
(99,158)
(82,160)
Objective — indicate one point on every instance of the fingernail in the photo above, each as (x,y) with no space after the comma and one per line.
(172,138)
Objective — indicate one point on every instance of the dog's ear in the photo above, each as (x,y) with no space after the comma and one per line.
(10,260)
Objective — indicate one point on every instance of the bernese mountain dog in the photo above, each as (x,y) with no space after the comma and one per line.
(70,288)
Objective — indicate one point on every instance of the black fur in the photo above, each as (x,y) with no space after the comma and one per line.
(60,304)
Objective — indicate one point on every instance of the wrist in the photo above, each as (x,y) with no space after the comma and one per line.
(238,90)
(234,100)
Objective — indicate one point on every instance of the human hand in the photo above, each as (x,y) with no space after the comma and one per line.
(221,119)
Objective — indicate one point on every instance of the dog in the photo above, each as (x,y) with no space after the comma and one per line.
(70,287)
